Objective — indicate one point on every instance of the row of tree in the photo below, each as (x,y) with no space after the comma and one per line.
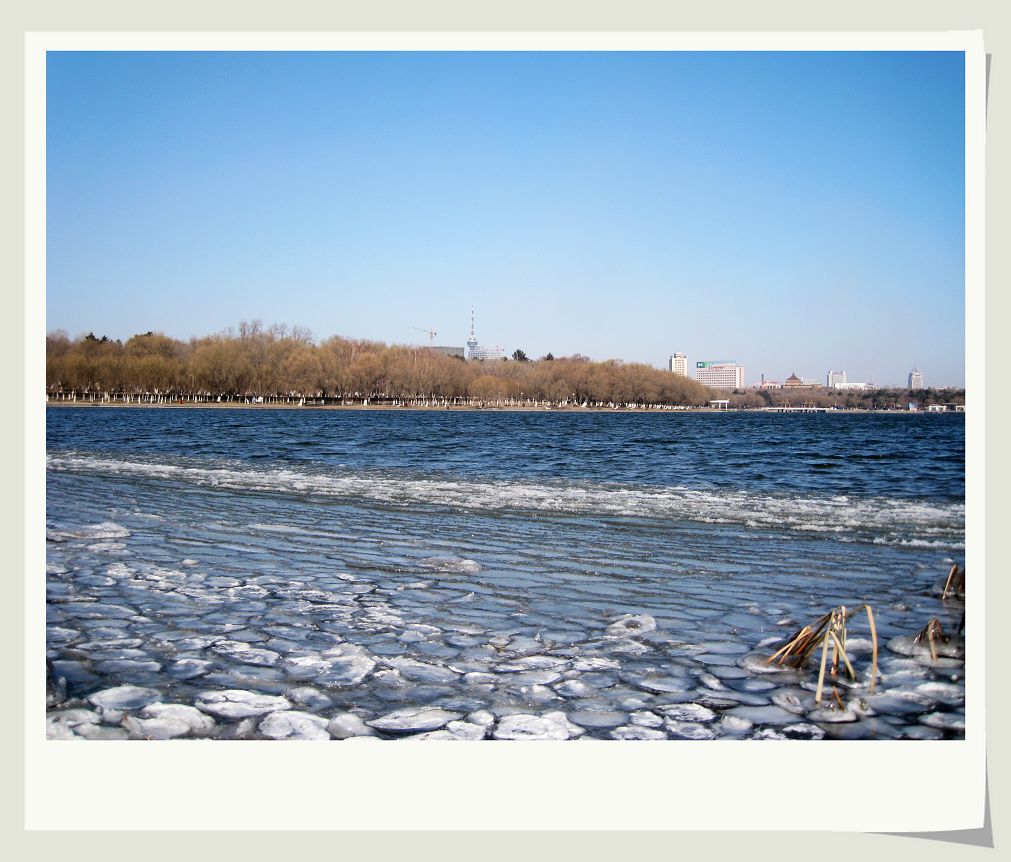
(845,399)
(281,364)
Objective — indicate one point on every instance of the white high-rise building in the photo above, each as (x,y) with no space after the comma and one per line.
(720,374)
(836,380)
(915,379)
(679,364)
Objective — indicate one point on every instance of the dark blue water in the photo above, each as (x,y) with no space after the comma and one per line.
(889,455)
(436,547)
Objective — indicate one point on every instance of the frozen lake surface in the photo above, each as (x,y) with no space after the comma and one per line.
(328,575)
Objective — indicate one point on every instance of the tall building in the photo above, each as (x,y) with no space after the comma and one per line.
(476,351)
(915,379)
(836,380)
(720,374)
(679,364)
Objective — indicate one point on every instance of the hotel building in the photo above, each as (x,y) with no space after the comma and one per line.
(679,364)
(720,374)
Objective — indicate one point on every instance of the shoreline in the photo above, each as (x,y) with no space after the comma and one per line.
(466,408)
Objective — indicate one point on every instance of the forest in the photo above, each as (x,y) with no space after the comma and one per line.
(281,365)
(883,398)
(278,364)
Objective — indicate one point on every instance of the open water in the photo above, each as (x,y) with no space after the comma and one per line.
(331,574)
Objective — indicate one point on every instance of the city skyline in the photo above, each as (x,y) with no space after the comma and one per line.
(489,352)
(802,212)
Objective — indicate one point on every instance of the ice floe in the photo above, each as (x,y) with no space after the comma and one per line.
(311,698)
(294,725)
(828,714)
(155,728)
(909,646)
(197,722)
(660,684)
(551,725)
(450,565)
(574,688)
(944,721)
(456,730)
(733,726)
(631,625)
(345,725)
(414,720)
(597,718)
(688,729)
(637,731)
(688,712)
(530,677)
(419,671)
(803,731)
(65,724)
(104,530)
(482,717)
(238,703)
(123,697)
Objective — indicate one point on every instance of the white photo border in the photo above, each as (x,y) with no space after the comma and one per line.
(370,785)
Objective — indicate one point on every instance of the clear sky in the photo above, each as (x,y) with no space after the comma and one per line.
(792,211)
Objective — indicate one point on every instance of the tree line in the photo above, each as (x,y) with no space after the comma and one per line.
(282,364)
(883,398)
(278,364)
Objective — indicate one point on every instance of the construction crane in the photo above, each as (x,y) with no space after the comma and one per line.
(431,334)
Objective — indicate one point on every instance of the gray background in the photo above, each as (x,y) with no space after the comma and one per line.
(735,15)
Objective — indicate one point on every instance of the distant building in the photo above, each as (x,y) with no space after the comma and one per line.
(795,382)
(475,351)
(837,380)
(451,351)
(769,384)
(679,364)
(720,374)
(915,379)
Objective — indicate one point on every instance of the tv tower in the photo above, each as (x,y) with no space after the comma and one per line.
(472,341)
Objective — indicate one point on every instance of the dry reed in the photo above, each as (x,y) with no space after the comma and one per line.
(828,630)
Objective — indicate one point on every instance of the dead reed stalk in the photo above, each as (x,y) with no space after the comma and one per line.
(828,630)
(933,634)
(955,585)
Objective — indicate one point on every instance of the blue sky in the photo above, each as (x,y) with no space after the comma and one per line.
(793,211)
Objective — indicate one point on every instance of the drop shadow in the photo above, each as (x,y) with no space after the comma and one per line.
(982,837)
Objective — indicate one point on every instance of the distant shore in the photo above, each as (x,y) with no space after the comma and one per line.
(456,408)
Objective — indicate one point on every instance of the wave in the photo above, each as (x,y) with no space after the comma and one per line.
(913,523)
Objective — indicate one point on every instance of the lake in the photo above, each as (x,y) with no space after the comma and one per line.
(480,574)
